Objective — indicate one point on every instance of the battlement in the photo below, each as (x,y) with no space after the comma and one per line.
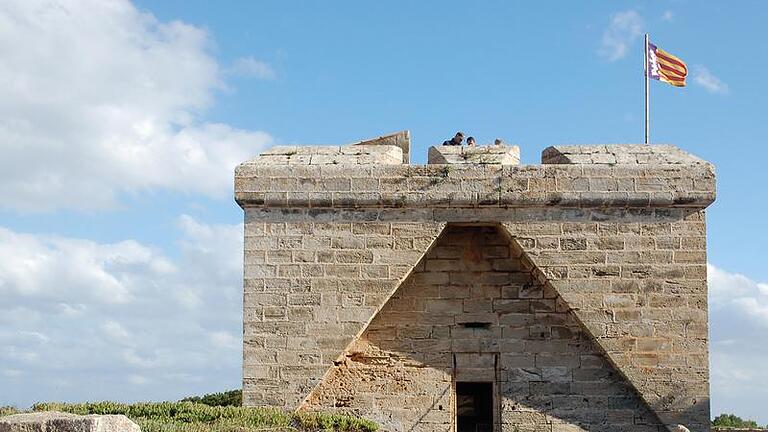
(394,149)
(370,175)
(620,154)
(570,295)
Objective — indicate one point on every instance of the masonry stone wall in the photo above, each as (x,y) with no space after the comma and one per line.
(310,288)
(347,305)
(549,374)
(482,155)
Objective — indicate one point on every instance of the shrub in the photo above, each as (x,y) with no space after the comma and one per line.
(7,410)
(730,420)
(229,398)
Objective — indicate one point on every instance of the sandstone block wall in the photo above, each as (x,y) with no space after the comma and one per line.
(332,155)
(473,311)
(478,155)
(578,289)
(310,288)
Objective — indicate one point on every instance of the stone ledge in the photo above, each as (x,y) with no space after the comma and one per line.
(468,215)
(331,155)
(400,139)
(483,155)
(473,186)
(621,154)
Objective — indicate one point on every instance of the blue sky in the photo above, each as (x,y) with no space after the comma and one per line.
(121,122)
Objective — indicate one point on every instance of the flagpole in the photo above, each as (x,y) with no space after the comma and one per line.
(647,115)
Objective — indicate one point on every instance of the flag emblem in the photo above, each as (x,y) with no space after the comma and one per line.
(665,67)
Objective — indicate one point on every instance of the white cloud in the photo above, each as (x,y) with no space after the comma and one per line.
(99,99)
(668,16)
(69,310)
(46,268)
(105,314)
(225,340)
(250,67)
(763,287)
(137,380)
(725,286)
(735,291)
(703,77)
(12,373)
(624,29)
(149,360)
(738,332)
(116,332)
(755,307)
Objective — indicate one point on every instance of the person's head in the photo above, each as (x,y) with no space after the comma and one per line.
(459,137)
(498,141)
(471,141)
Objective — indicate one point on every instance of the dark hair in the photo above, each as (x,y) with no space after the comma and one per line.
(470,139)
(460,133)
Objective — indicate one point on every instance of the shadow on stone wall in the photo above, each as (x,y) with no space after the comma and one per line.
(471,311)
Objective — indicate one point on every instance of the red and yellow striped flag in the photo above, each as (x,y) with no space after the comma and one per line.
(663,66)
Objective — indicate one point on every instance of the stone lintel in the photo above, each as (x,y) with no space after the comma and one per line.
(483,155)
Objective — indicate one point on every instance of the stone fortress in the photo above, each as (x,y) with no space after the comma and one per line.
(477,294)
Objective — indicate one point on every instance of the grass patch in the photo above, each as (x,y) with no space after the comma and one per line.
(198,417)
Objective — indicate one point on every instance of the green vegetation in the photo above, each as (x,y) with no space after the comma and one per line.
(199,417)
(7,410)
(221,412)
(730,420)
(228,398)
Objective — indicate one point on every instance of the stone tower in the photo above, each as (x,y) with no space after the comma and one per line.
(477,294)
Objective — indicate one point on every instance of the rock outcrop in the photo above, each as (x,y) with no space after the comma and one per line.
(55,421)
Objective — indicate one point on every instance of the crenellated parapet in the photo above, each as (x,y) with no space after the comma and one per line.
(370,176)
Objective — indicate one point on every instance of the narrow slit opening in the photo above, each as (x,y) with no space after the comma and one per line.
(476,324)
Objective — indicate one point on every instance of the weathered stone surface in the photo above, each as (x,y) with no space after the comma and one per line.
(641,298)
(331,155)
(54,421)
(473,186)
(623,154)
(478,155)
(311,286)
(400,139)
(598,257)
(400,371)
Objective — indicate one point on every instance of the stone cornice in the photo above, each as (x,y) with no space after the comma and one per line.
(475,186)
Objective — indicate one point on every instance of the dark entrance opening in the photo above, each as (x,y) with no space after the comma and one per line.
(474,407)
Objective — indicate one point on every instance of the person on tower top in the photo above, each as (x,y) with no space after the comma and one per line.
(456,140)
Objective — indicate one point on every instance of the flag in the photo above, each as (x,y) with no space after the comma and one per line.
(663,66)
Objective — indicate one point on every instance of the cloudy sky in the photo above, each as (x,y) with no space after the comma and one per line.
(121,122)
